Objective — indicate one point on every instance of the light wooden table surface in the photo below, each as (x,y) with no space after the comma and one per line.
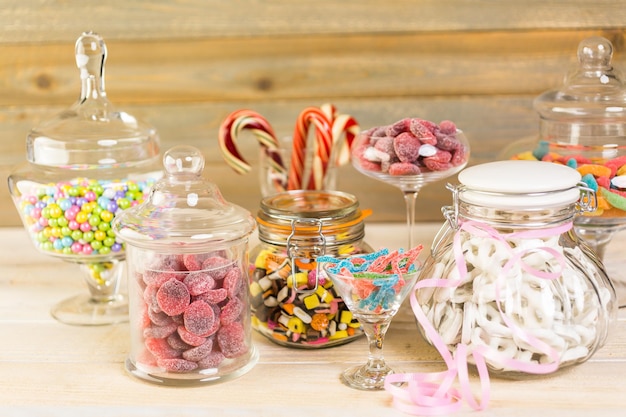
(51,369)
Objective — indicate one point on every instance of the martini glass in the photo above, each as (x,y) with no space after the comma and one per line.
(374,299)
(363,159)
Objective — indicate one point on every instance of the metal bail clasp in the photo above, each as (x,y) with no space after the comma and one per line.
(588,201)
(293,251)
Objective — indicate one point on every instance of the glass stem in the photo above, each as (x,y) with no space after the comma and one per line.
(376,336)
(409,198)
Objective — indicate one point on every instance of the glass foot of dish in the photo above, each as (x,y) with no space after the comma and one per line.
(363,378)
(83,310)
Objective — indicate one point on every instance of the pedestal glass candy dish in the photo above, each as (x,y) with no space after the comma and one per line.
(409,154)
(374,295)
(84,166)
(188,279)
(583,125)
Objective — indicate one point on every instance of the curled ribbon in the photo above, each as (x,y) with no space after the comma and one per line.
(430,394)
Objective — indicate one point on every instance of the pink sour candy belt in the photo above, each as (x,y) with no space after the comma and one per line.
(411,146)
(194,310)
(73,218)
(303,318)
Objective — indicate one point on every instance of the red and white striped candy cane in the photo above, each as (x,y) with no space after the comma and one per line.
(341,124)
(228,135)
(321,156)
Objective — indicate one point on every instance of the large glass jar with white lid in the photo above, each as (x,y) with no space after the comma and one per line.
(84,166)
(508,277)
(294,303)
(188,279)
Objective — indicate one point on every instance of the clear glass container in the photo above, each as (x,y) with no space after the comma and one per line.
(583,125)
(84,167)
(293,302)
(516,284)
(188,279)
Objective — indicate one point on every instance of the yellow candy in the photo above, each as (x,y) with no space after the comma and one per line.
(346,317)
(295,325)
(339,334)
(311,301)
(301,278)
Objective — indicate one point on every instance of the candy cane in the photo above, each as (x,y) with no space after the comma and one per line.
(341,124)
(229,132)
(323,146)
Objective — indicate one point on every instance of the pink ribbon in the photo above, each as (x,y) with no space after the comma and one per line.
(430,394)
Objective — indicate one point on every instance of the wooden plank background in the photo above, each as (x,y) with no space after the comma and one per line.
(184,65)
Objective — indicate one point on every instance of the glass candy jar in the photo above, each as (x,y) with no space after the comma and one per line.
(509,278)
(84,167)
(583,125)
(188,279)
(293,303)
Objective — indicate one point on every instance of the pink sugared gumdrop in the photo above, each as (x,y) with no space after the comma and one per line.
(199,352)
(231,339)
(212,360)
(231,311)
(199,318)
(199,282)
(233,282)
(173,297)
(177,365)
(404,168)
(160,349)
(217,266)
(407,147)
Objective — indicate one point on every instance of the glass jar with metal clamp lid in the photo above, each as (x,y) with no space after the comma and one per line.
(507,276)
(293,303)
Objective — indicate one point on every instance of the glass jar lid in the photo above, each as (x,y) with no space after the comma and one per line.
(519,184)
(183,210)
(591,104)
(92,134)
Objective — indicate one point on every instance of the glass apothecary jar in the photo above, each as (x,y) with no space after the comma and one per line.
(512,280)
(582,124)
(293,302)
(84,167)
(188,279)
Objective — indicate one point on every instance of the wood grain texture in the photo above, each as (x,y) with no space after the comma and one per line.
(185,65)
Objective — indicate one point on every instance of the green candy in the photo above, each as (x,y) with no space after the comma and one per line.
(614,199)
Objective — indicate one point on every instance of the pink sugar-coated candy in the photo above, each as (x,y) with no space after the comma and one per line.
(404,168)
(423,130)
(199,282)
(231,311)
(447,127)
(213,296)
(385,145)
(158,278)
(193,262)
(160,349)
(212,360)
(403,125)
(231,340)
(168,262)
(150,298)
(159,318)
(160,332)
(199,352)
(173,297)
(199,318)
(190,338)
(406,147)
(177,343)
(233,282)
(177,365)
(217,266)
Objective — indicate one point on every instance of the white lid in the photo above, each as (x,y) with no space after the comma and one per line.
(520,184)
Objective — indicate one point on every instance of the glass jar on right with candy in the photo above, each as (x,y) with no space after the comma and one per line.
(509,278)
(293,302)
